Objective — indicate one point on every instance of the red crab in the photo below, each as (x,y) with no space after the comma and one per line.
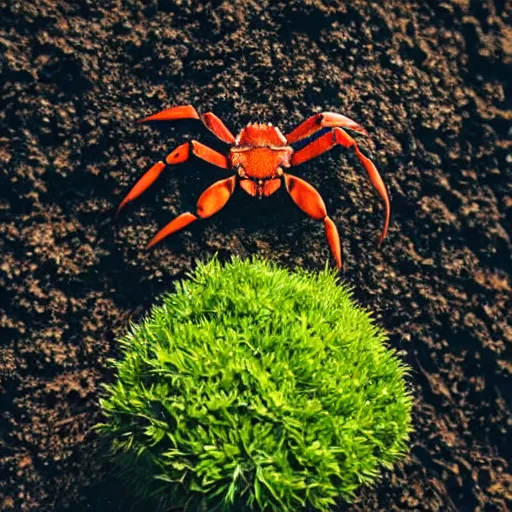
(259,157)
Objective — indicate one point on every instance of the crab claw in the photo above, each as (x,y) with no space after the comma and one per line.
(170,114)
(323,120)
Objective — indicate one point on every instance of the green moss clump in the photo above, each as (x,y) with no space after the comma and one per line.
(254,388)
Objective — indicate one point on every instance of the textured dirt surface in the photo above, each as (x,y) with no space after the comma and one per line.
(428,79)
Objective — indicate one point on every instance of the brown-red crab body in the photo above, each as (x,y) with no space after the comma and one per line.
(259,159)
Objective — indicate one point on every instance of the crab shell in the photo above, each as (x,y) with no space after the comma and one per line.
(259,155)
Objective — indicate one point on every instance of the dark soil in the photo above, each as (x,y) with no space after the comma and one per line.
(427,78)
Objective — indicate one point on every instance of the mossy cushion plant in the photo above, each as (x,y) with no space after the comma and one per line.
(255,388)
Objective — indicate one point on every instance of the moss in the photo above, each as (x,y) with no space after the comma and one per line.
(252,387)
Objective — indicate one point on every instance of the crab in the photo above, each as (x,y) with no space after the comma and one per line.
(258,160)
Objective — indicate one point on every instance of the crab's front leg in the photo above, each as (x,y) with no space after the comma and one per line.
(307,198)
(213,199)
(210,120)
(322,120)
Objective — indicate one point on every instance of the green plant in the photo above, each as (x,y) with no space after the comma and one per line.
(252,387)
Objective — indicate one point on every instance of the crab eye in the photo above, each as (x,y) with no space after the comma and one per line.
(241,172)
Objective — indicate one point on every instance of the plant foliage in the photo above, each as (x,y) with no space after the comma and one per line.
(255,388)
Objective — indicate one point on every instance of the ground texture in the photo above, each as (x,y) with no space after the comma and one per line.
(428,79)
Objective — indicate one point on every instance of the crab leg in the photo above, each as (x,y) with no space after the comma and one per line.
(217,127)
(213,199)
(178,156)
(210,120)
(170,114)
(338,136)
(323,120)
(307,198)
